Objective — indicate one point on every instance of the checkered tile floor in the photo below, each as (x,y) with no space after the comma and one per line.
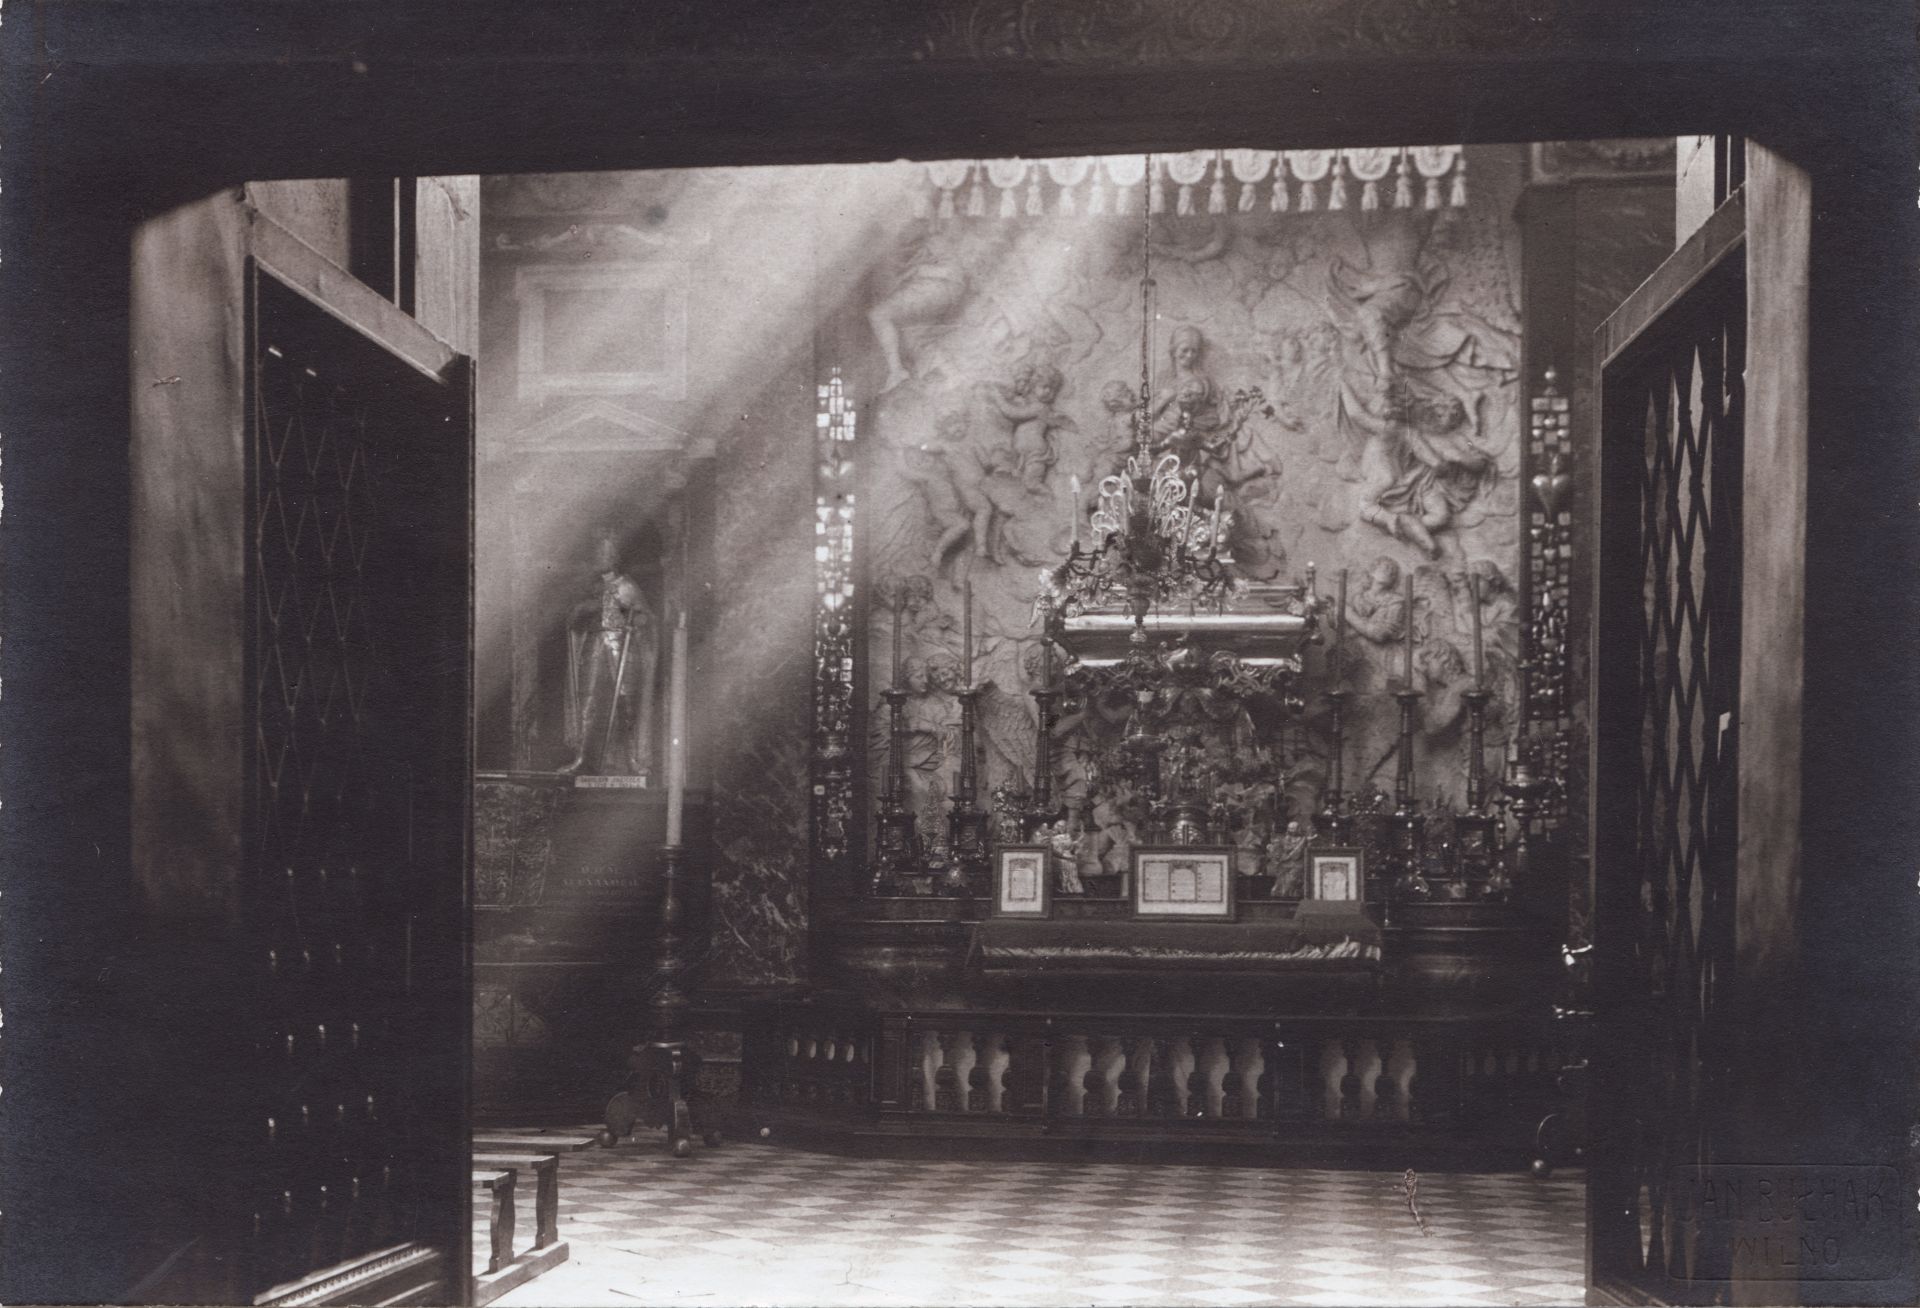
(753,1223)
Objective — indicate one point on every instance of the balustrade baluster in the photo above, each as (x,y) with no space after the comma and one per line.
(1060,1076)
(1333,1074)
(1232,1097)
(1128,1079)
(946,1081)
(1196,1105)
(979,1094)
(1162,1094)
(1093,1101)
(1350,1083)
(1258,1080)
(1369,1066)
(1402,1067)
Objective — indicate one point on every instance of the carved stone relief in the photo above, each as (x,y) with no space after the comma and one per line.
(1009,357)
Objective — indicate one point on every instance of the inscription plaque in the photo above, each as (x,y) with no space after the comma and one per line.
(1787,1223)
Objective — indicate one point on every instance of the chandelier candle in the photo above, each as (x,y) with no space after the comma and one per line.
(1407,674)
(966,627)
(1340,627)
(896,643)
(1479,657)
(677,732)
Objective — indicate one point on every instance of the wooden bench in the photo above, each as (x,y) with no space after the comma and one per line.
(499,1187)
(530,1142)
(496,1171)
(546,1193)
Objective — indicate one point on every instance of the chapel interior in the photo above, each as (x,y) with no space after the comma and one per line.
(1124,728)
(817,735)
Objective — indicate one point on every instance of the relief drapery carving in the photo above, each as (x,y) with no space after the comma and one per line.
(1344,382)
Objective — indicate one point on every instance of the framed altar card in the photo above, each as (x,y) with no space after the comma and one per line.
(1021,886)
(1337,873)
(1182,882)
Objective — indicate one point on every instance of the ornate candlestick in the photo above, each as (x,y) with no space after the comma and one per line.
(1333,823)
(1473,830)
(967,844)
(1407,827)
(968,849)
(897,843)
(1044,808)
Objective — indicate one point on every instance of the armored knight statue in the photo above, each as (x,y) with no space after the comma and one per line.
(613,642)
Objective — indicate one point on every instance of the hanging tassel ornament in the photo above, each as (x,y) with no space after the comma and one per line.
(1067,174)
(1036,203)
(1250,168)
(1311,166)
(1156,192)
(1337,191)
(1189,170)
(1278,203)
(1369,164)
(1007,174)
(976,198)
(948,176)
(1097,197)
(1217,193)
(1125,171)
(1402,184)
(1458,196)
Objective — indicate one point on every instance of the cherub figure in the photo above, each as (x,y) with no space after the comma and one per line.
(930,469)
(1114,834)
(1026,403)
(1378,610)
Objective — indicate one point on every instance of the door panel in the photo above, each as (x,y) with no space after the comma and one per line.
(1666,755)
(354,907)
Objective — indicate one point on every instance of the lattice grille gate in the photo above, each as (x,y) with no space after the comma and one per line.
(358,680)
(1673,413)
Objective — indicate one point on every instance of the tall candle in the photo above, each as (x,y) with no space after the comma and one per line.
(1479,656)
(1046,661)
(1340,624)
(1408,673)
(896,646)
(677,733)
(1073,513)
(966,627)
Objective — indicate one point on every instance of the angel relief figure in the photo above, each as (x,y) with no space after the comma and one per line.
(1408,394)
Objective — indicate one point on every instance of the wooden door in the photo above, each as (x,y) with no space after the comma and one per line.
(353,1177)
(1666,757)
